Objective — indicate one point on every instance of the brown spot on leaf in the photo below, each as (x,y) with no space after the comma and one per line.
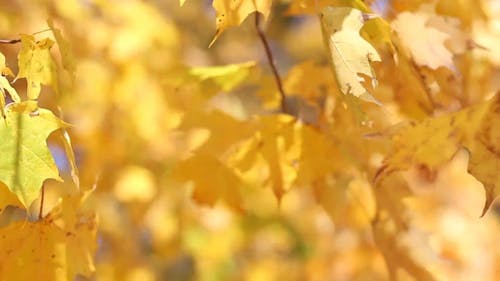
(426,173)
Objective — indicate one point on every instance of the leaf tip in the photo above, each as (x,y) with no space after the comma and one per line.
(487,204)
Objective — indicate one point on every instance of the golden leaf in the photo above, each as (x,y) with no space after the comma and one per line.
(234,12)
(349,52)
(434,141)
(424,43)
(36,64)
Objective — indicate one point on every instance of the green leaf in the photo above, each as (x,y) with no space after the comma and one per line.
(25,160)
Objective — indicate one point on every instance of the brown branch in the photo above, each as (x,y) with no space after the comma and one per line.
(270,59)
(9,41)
(427,90)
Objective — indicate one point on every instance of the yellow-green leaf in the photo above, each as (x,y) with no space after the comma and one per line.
(26,161)
(225,77)
(350,54)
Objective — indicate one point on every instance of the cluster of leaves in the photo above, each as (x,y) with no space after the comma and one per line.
(363,162)
(59,243)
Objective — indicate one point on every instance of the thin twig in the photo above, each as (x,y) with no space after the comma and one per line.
(15,41)
(427,90)
(9,41)
(270,59)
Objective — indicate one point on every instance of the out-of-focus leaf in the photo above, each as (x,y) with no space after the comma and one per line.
(425,43)
(434,141)
(225,77)
(212,180)
(298,7)
(67,57)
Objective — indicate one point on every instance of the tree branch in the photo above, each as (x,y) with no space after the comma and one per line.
(9,41)
(270,59)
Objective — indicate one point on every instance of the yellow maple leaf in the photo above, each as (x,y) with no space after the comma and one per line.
(468,11)
(234,12)
(67,56)
(56,248)
(424,43)
(7,198)
(434,141)
(308,80)
(212,180)
(278,145)
(224,130)
(36,64)
(26,161)
(377,31)
(235,147)
(410,93)
(349,52)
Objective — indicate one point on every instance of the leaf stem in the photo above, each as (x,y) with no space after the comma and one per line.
(427,90)
(272,64)
(40,213)
(9,41)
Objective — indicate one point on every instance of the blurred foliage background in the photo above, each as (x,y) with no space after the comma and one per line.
(130,91)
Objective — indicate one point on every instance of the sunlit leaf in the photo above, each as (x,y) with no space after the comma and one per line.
(26,161)
(58,247)
(234,12)
(425,44)
(434,141)
(36,64)
(350,54)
